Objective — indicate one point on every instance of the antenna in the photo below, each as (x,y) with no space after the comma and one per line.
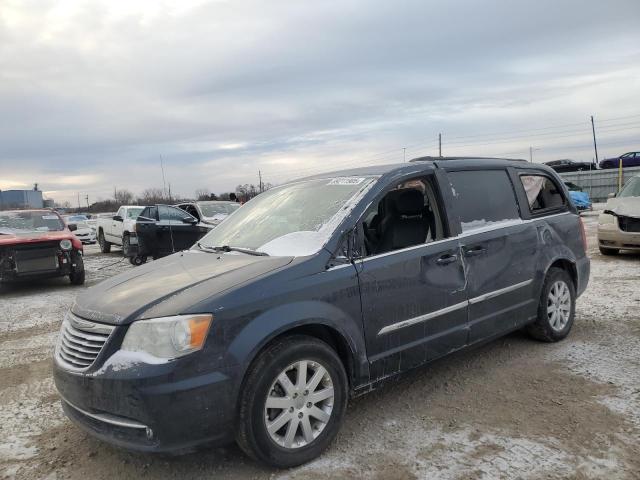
(164,183)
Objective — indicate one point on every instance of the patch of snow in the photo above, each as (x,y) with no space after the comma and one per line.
(124,359)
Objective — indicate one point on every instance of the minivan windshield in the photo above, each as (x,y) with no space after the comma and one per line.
(29,221)
(292,220)
(631,189)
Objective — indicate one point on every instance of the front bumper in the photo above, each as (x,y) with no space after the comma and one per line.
(147,407)
(60,263)
(610,236)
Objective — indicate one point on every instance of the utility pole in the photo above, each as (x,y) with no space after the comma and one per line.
(86,197)
(595,145)
(259,181)
(440,145)
(78,193)
(530,154)
(404,154)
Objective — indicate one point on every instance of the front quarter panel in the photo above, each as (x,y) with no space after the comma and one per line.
(306,293)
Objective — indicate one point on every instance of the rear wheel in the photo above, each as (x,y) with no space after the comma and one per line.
(556,309)
(105,247)
(293,402)
(609,251)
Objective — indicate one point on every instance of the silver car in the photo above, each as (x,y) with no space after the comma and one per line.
(619,224)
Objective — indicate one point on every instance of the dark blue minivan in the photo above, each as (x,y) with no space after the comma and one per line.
(316,291)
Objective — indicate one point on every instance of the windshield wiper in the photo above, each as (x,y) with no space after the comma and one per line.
(227,248)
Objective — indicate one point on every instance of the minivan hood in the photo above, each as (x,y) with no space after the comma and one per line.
(170,285)
(626,206)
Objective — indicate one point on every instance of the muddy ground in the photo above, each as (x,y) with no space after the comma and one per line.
(514,408)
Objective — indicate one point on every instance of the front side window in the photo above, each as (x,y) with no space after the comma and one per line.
(25,221)
(405,216)
(172,214)
(292,220)
(483,198)
(631,189)
(542,193)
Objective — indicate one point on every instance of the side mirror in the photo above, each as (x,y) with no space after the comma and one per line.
(611,195)
(117,218)
(189,220)
(72,227)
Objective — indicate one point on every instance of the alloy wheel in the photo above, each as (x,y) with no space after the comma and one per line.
(559,305)
(299,404)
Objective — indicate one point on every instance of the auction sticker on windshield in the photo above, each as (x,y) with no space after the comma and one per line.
(346,181)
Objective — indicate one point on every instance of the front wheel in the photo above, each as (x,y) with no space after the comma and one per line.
(293,402)
(105,247)
(77,275)
(126,245)
(556,309)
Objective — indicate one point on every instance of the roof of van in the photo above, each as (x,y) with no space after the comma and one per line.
(414,164)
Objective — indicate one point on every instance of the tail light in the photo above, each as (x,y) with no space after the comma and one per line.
(583,235)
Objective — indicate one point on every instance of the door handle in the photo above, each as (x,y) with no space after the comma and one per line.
(476,250)
(446,259)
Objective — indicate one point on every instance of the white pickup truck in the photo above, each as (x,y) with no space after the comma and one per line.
(119,229)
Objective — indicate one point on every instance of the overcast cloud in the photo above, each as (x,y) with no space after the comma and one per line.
(93,93)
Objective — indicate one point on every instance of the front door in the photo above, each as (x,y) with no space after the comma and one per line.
(174,232)
(412,285)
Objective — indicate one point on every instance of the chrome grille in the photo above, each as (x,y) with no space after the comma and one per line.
(80,342)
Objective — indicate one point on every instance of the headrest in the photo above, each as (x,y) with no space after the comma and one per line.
(408,201)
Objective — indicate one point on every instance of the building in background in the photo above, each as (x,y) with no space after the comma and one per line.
(21,198)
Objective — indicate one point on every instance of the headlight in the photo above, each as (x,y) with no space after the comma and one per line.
(66,244)
(605,219)
(168,337)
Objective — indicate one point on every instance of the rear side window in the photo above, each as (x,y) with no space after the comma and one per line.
(542,193)
(483,198)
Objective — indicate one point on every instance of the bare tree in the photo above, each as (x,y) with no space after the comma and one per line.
(123,197)
(151,196)
(203,194)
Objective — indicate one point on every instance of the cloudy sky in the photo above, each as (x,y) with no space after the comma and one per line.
(93,93)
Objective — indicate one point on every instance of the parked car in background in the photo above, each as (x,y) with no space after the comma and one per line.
(83,230)
(629,159)
(163,230)
(119,229)
(210,212)
(315,291)
(37,244)
(619,223)
(579,197)
(566,165)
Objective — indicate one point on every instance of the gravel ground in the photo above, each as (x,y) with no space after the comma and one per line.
(514,408)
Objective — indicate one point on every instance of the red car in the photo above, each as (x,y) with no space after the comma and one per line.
(38,244)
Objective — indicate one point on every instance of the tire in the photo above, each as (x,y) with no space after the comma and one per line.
(138,260)
(77,275)
(609,251)
(558,294)
(105,247)
(312,434)
(126,244)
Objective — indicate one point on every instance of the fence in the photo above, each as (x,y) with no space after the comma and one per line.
(600,183)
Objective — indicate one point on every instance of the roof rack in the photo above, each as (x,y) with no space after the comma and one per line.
(439,159)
